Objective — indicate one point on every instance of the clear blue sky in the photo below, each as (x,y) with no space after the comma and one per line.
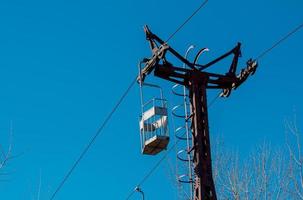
(64,64)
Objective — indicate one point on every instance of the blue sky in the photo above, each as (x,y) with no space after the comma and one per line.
(64,64)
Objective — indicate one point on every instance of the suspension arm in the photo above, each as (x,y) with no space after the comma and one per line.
(236,51)
(150,36)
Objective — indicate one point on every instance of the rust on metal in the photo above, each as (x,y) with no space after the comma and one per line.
(197,81)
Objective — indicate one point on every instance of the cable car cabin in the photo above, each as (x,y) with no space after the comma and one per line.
(154,126)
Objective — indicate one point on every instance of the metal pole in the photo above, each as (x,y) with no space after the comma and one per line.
(204,188)
(197,82)
(137,189)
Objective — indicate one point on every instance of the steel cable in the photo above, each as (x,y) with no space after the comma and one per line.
(261,55)
(83,153)
(187,20)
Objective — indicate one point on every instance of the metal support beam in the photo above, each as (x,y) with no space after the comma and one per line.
(204,188)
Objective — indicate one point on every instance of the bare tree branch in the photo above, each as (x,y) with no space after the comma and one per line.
(5,156)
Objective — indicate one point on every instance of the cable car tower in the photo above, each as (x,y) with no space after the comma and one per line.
(197,81)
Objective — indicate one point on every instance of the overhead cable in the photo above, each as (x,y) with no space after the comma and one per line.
(261,55)
(92,140)
(187,20)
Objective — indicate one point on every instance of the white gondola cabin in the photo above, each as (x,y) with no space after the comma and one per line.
(154,124)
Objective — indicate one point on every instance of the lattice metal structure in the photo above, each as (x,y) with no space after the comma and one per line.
(197,81)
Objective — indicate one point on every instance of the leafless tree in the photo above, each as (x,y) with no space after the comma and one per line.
(268,173)
(294,145)
(6,155)
(172,174)
(262,176)
(36,192)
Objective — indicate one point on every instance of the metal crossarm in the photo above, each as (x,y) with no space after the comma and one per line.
(166,70)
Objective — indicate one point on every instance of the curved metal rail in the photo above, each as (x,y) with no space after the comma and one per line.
(181,115)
